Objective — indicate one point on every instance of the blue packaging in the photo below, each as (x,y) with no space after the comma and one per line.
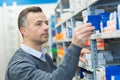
(96,24)
(118,15)
(105,16)
(69,32)
(115,77)
(94,17)
(104,19)
(112,70)
(117,22)
(95,21)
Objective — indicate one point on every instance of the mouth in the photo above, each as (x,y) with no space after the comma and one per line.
(46,35)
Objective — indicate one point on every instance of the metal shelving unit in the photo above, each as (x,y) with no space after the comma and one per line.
(109,36)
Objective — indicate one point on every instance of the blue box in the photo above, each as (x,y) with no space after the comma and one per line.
(111,71)
(115,77)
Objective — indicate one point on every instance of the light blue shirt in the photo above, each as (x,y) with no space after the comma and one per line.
(38,54)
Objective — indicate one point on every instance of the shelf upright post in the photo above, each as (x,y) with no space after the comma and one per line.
(62,25)
(94,57)
(56,23)
(93,49)
(73,23)
(61,11)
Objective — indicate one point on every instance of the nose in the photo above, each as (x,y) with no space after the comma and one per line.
(46,26)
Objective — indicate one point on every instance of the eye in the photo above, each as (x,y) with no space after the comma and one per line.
(46,22)
(39,23)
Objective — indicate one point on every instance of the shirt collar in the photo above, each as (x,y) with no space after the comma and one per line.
(38,54)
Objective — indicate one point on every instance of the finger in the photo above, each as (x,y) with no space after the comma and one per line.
(84,36)
(84,32)
(83,26)
(85,50)
(81,54)
(86,29)
(82,59)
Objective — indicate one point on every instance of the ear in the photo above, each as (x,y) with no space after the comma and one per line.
(24,31)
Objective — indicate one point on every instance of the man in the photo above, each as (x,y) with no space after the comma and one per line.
(31,62)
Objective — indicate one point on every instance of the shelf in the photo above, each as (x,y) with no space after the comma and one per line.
(63,21)
(63,40)
(85,7)
(106,35)
(89,68)
(64,3)
(107,3)
(76,13)
(100,3)
(115,62)
(57,5)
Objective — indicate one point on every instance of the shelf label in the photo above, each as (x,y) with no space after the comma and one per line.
(97,35)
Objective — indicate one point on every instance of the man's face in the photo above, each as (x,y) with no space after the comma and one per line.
(37,27)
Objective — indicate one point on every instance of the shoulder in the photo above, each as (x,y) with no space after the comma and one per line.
(20,58)
(19,66)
